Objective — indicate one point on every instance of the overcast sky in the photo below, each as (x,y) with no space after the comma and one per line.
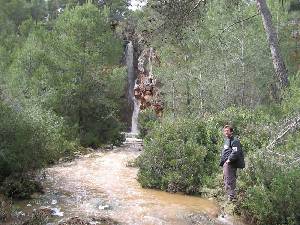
(136,4)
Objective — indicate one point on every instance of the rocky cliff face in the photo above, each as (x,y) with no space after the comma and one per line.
(145,89)
(141,90)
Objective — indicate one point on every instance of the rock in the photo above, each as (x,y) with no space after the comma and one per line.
(35,195)
(47,211)
(104,221)
(199,219)
(103,207)
(82,221)
(75,220)
(5,208)
(20,214)
(57,212)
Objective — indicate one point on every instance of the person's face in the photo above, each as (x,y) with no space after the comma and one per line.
(227,132)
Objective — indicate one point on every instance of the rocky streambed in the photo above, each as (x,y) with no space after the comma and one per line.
(100,188)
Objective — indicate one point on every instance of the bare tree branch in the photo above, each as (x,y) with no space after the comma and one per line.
(239,21)
(295,122)
(233,24)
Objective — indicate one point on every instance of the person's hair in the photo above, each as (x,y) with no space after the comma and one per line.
(228,126)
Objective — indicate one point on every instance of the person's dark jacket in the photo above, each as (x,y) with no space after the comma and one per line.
(232,150)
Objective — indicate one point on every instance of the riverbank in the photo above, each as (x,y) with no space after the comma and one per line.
(102,186)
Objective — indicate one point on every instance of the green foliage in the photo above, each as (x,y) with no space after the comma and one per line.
(271,192)
(195,144)
(291,104)
(216,68)
(221,59)
(176,15)
(29,138)
(247,126)
(60,82)
(85,48)
(20,186)
(268,188)
(61,86)
(37,219)
(71,71)
(178,156)
(147,120)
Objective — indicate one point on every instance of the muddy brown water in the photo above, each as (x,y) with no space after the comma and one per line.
(102,185)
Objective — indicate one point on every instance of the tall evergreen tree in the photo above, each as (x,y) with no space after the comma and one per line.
(277,59)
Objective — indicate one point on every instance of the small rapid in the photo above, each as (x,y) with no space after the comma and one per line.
(103,184)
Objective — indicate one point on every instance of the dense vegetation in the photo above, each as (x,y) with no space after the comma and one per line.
(183,154)
(63,84)
(216,70)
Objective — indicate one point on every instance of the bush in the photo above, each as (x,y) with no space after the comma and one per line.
(147,120)
(268,188)
(179,156)
(100,126)
(272,195)
(30,138)
(271,185)
(252,127)
(20,186)
(183,155)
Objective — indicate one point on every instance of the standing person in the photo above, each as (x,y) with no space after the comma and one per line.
(232,158)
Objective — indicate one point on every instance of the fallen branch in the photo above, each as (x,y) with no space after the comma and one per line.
(290,127)
(297,160)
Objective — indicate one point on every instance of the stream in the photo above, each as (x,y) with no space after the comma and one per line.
(101,184)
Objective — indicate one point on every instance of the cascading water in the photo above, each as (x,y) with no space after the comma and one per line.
(135,115)
(131,81)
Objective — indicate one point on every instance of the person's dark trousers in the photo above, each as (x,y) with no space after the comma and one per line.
(229,174)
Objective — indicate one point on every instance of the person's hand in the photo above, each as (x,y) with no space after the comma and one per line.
(227,161)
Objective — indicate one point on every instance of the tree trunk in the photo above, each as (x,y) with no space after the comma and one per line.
(188,92)
(242,58)
(277,59)
(226,96)
(173,98)
(200,93)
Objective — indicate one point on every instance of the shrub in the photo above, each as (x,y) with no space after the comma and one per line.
(274,196)
(179,156)
(100,126)
(147,120)
(30,138)
(271,185)
(20,186)
(182,155)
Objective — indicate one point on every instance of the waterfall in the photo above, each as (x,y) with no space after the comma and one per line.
(131,82)
(135,116)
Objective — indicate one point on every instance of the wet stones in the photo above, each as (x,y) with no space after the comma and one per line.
(20,186)
(200,219)
(75,220)
(39,216)
(83,221)
(5,208)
